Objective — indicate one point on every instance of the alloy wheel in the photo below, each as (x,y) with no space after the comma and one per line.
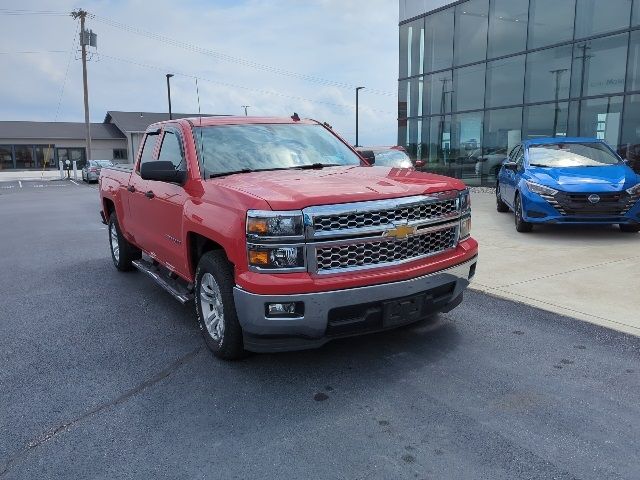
(113,237)
(211,305)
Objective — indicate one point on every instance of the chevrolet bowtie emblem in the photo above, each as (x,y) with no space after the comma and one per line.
(401,232)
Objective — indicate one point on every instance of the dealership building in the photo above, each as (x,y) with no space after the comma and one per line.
(478,76)
(37,145)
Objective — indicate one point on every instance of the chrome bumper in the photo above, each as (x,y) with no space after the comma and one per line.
(309,331)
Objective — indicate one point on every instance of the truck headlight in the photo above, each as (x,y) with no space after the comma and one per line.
(276,257)
(635,190)
(465,201)
(465,227)
(274,224)
(540,189)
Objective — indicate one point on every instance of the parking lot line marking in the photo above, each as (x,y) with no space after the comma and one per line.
(73,181)
(20,183)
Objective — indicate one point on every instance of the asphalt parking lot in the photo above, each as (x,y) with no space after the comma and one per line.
(105,376)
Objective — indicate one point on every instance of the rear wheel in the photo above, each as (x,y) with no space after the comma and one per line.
(500,205)
(522,226)
(215,306)
(122,252)
(625,227)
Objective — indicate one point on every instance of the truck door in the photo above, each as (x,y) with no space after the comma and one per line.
(165,207)
(138,203)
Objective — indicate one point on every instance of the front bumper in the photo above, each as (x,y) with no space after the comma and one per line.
(341,313)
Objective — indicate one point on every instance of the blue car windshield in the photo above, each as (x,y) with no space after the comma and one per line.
(571,155)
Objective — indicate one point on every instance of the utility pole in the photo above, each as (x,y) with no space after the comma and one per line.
(558,73)
(169,75)
(584,58)
(245,109)
(86,38)
(357,91)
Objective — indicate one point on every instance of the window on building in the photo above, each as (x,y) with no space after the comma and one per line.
(594,17)
(599,66)
(120,154)
(413,142)
(44,155)
(24,156)
(630,141)
(467,135)
(414,98)
(403,98)
(6,157)
(507,27)
(440,156)
(601,118)
(633,70)
(438,41)
(171,150)
(468,87)
(437,93)
(548,74)
(72,154)
(502,130)
(505,82)
(471,31)
(412,48)
(635,18)
(546,120)
(550,21)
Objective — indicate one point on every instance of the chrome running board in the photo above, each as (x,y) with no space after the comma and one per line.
(175,287)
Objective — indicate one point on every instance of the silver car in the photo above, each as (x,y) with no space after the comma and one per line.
(91,170)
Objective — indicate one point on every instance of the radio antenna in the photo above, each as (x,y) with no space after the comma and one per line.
(200,121)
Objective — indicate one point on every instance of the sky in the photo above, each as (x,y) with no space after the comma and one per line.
(277,56)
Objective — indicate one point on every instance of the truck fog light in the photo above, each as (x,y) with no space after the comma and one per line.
(284,310)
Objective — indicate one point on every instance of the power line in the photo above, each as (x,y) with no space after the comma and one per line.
(25,52)
(16,12)
(229,58)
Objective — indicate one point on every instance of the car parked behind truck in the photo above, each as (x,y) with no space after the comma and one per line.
(282,235)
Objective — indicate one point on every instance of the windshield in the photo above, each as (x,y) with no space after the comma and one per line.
(392,158)
(233,148)
(571,155)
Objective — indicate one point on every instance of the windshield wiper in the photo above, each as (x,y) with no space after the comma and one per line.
(316,165)
(538,165)
(232,172)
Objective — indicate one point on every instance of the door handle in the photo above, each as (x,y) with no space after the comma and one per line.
(149,194)
(131,188)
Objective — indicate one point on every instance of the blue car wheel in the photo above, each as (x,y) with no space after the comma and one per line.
(522,226)
(500,205)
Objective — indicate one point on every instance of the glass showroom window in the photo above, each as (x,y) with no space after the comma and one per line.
(44,155)
(437,93)
(635,19)
(550,21)
(468,87)
(413,140)
(630,142)
(410,98)
(403,99)
(633,70)
(438,41)
(24,156)
(502,130)
(594,17)
(470,43)
(467,134)
(548,74)
(439,143)
(601,118)
(412,48)
(599,66)
(546,120)
(6,157)
(505,82)
(507,27)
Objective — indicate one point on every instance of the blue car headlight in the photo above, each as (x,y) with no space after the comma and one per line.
(540,189)
(635,190)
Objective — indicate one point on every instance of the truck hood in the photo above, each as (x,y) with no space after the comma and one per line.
(297,189)
(586,179)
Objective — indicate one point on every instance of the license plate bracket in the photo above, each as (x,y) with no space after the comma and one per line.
(403,310)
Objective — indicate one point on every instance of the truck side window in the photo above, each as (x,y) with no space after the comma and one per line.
(147,149)
(171,151)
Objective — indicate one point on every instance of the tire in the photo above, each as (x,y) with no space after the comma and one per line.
(122,252)
(500,205)
(522,226)
(626,228)
(215,306)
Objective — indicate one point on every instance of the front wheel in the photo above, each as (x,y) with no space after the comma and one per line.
(215,306)
(629,228)
(500,205)
(522,225)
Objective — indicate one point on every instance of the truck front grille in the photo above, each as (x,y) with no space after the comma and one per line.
(374,218)
(386,251)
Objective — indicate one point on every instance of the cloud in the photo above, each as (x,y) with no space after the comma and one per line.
(346,42)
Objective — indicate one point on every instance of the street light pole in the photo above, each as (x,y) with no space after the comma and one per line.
(245,109)
(357,91)
(169,75)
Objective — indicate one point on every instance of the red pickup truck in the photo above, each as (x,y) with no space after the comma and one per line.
(282,235)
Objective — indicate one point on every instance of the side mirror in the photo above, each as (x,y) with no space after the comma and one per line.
(369,156)
(419,163)
(162,171)
(510,166)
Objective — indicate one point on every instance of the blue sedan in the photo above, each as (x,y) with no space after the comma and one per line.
(568,180)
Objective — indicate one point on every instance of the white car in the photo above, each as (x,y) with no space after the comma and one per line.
(490,163)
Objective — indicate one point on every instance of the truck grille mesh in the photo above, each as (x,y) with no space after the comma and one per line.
(410,213)
(385,251)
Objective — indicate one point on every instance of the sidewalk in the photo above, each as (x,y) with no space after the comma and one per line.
(590,273)
(13,175)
